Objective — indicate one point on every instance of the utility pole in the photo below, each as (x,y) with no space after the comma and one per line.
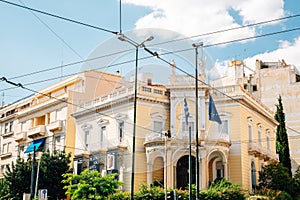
(197,119)
(32,182)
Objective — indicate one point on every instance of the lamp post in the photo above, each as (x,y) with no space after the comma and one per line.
(196,45)
(136,45)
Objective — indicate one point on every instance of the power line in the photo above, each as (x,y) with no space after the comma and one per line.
(65,101)
(59,17)
(171,52)
(229,29)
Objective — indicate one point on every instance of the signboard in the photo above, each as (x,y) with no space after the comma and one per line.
(43,194)
(110,161)
(94,162)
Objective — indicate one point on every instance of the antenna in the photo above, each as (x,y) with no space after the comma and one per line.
(62,62)
(120,6)
(2,102)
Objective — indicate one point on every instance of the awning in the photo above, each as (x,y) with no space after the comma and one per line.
(36,144)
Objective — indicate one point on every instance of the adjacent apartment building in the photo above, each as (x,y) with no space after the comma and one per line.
(43,120)
(266,82)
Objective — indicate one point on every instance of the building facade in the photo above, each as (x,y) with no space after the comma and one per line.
(266,82)
(44,119)
(236,149)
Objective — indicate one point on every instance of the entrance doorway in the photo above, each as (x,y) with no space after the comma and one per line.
(182,172)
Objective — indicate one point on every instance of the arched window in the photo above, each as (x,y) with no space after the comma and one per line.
(259,132)
(253,176)
(268,133)
(250,129)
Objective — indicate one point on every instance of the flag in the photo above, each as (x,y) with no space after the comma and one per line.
(212,111)
(186,112)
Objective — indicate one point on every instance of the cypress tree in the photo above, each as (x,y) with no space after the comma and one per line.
(282,143)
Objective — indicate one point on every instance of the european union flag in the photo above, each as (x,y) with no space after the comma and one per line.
(186,112)
(212,111)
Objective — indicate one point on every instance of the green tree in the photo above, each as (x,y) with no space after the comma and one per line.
(90,185)
(52,167)
(276,177)
(282,143)
(17,177)
(4,190)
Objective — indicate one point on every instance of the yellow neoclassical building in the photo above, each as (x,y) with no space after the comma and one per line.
(236,149)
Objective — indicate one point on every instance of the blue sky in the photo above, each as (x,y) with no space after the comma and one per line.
(27,44)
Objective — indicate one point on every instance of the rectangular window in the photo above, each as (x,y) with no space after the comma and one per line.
(224,127)
(157,126)
(186,128)
(121,131)
(59,114)
(86,138)
(23,127)
(259,137)
(8,147)
(250,133)
(57,143)
(268,142)
(102,134)
(10,126)
(6,127)
(4,148)
(21,151)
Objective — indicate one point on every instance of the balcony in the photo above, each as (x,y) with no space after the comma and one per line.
(261,152)
(5,155)
(154,137)
(55,126)
(254,149)
(19,137)
(7,134)
(36,131)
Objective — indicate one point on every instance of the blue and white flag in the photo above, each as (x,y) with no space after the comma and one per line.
(212,111)
(186,112)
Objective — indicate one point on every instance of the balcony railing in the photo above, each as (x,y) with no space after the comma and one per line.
(55,126)
(261,152)
(154,137)
(36,131)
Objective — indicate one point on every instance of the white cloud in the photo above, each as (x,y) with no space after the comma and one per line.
(288,51)
(194,17)
(254,11)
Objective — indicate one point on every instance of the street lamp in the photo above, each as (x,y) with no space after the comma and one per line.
(196,46)
(122,37)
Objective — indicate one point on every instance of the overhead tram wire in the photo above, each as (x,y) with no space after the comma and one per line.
(172,52)
(210,33)
(59,17)
(53,32)
(229,29)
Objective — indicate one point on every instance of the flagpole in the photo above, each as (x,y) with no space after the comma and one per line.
(196,102)
(190,163)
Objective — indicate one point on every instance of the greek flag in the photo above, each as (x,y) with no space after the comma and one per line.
(186,112)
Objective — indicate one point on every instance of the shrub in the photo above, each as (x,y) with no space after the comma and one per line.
(223,190)
(149,193)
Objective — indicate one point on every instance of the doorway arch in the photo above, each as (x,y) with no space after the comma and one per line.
(182,172)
